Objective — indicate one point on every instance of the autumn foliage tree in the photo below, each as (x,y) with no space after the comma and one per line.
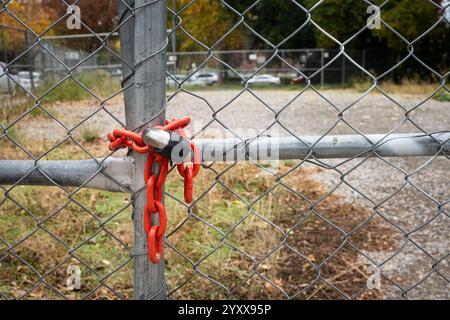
(207,21)
(98,16)
(22,16)
(44,18)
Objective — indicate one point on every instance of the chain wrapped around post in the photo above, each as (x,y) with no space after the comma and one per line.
(121,138)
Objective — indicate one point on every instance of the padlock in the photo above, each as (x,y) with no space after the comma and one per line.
(168,143)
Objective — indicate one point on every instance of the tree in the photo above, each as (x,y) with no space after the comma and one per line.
(207,21)
(341,19)
(22,14)
(409,18)
(276,21)
(97,16)
(415,20)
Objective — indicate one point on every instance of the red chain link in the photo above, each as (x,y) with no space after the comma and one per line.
(122,138)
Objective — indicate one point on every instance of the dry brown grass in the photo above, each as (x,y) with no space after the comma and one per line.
(407,87)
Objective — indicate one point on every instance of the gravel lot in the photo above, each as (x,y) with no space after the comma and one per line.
(419,212)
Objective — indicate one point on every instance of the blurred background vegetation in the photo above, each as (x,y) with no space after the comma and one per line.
(250,24)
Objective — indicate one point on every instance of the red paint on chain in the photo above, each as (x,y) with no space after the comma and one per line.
(122,138)
(189,183)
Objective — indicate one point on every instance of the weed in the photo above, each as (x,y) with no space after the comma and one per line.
(442,95)
(89,134)
(97,82)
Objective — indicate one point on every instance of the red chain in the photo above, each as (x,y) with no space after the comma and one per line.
(121,138)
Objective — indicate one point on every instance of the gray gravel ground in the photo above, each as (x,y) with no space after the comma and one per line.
(419,213)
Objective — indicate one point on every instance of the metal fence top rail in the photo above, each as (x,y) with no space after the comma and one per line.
(84,35)
(255,50)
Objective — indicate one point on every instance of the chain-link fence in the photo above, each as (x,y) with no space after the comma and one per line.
(327,192)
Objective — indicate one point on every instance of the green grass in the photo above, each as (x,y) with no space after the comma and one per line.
(71,224)
(100,83)
(90,134)
(442,96)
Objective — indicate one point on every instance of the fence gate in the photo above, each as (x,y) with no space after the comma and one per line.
(305,192)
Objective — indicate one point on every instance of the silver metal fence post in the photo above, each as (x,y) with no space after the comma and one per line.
(30,61)
(142,42)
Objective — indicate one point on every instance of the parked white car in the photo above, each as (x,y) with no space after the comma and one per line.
(204,78)
(25,79)
(265,79)
(117,73)
(171,82)
(6,84)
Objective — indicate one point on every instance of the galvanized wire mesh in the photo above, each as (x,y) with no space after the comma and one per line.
(312,228)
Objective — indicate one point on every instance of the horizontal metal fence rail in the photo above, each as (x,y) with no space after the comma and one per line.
(96,173)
